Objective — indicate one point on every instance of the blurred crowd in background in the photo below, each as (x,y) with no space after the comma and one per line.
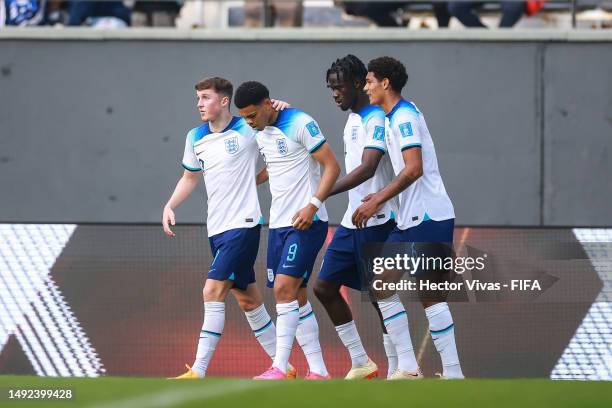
(312,13)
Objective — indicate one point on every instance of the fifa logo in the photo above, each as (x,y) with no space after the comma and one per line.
(406,129)
(379,133)
(281,145)
(231,145)
(354,133)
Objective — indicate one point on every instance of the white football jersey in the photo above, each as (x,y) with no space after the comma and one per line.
(426,198)
(294,175)
(366,130)
(228,161)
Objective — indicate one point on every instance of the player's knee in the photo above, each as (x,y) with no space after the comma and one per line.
(325,292)
(248,304)
(284,293)
(213,293)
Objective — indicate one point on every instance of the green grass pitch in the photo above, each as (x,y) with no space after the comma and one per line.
(115,392)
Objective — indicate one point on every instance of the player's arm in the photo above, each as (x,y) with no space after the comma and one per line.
(363,172)
(324,155)
(183,189)
(413,169)
(262,176)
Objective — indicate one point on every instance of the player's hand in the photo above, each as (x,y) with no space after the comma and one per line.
(365,211)
(279,105)
(167,220)
(302,220)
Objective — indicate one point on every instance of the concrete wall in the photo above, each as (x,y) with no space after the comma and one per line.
(92,124)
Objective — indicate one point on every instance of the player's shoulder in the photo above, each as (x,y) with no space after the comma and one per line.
(403,110)
(239,125)
(293,116)
(290,121)
(372,113)
(197,133)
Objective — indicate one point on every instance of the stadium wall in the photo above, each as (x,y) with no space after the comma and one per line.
(93,123)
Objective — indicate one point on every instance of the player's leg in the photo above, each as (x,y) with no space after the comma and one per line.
(241,252)
(301,252)
(307,336)
(287,307)
(339,268)
(250,301)
(395,320)
(214,294)
(226,271)
(439,236)
(388,344)
(368,236)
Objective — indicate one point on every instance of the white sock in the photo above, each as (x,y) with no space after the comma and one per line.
(214,320)
(263,328)
(351,340)
(443,334)
(391,354)
(286,326)
(307,335)
(396,322)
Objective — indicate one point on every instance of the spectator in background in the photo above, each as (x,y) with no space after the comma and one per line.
(23,12)
(288,13)
(385,13)
(80,11)
(155,13)
(512,11)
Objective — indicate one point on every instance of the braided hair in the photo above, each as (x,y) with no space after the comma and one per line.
(351,68)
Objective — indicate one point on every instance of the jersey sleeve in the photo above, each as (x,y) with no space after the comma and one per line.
(375,133)
(309,134)
(405,127)
(190,160)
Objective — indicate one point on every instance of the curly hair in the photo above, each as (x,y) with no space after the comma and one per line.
(390,68)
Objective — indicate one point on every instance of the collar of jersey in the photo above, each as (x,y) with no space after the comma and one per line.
(278,118)
(396,107)
(230,125)
(365,110)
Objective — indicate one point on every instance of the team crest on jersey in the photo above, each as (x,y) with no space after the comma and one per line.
(281,145)
(231,145)
(406,129)
(354,133)
(379,133)
(313,129)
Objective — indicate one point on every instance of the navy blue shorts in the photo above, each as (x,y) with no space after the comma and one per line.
(343,263)
(234,253)
(431,239)
(426,231)
(293,252)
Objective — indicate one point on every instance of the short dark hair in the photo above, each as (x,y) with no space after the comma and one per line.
(390,68)
(350,67)
(220,85)
(250,93)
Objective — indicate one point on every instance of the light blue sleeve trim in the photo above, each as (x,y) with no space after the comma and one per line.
(186,167)
(377,148)
(411,146)
(315,147)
